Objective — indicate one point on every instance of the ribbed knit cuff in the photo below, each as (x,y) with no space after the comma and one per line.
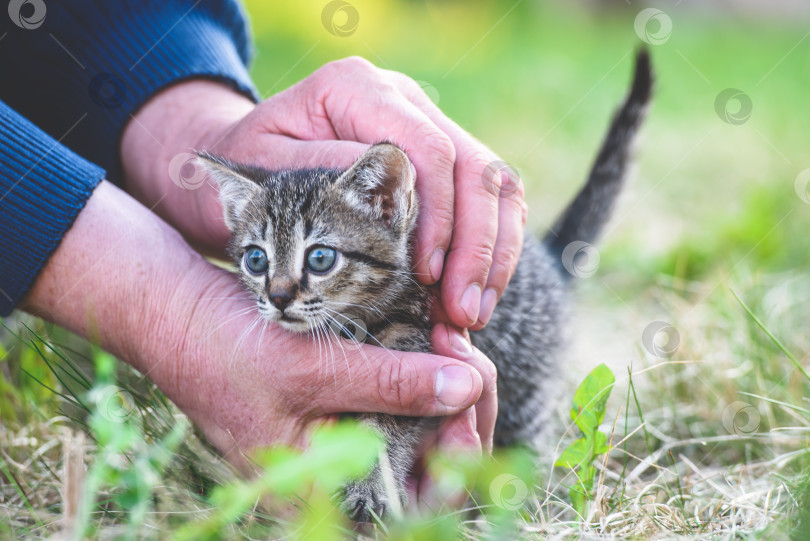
(169,43)
(43,186)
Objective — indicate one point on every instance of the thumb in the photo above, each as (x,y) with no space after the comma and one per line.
(379,380)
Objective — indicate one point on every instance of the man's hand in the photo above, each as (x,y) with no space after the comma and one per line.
(125,277)
(470,232)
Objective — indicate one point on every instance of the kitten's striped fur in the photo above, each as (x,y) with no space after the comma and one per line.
(368,214)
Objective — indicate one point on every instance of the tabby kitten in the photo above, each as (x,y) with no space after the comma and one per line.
(328,253)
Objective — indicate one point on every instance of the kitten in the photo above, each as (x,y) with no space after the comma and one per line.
(328,253)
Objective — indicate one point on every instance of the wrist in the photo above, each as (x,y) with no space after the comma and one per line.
(111,276)
(159,140)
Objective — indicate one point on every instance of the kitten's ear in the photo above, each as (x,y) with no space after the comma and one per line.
(235,189)
(382,180)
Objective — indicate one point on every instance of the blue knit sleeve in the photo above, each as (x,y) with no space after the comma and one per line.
(43,187)
(80,68)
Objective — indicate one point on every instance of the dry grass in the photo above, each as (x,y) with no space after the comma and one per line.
(707,445)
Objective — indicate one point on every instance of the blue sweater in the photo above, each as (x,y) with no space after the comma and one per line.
(71,75)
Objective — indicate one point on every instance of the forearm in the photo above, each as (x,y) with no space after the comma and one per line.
(95,284)
(158,142)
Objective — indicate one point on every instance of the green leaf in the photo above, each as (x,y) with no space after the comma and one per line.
(600,445)
(586,476)
(590,399)
(577,500)
(574,454)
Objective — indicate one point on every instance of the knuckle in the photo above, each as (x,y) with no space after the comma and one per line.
(505,262)
(339,68)
(475,160)
(324,72)
(356,65)
(440,146)
(400,78)
(478,166)
(481,253)
(517,190)
(393,384)
(410,87)
(489,374)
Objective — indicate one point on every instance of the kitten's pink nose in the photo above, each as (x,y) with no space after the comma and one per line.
(281,293)
(281,299)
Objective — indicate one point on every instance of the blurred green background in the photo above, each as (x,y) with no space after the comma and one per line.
(537,82)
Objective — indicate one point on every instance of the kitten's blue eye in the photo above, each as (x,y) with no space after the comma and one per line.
(256,260)
(321,259)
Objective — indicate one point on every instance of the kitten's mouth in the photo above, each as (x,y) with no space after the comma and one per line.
(293,324)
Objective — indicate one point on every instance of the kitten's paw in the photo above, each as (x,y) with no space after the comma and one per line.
(365,501)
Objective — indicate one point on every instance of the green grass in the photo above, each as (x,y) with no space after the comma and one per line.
(710,237)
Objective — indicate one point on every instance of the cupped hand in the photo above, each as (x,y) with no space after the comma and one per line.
(247,383)
(470,230)
(125,277)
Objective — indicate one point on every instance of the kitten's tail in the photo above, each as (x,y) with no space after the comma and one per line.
(582,221)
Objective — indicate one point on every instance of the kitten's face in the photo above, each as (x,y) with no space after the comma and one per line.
(317,245)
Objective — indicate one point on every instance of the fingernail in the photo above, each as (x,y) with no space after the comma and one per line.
(460,344)
(435,264)
(471,302)
(488,301)
(453,385)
